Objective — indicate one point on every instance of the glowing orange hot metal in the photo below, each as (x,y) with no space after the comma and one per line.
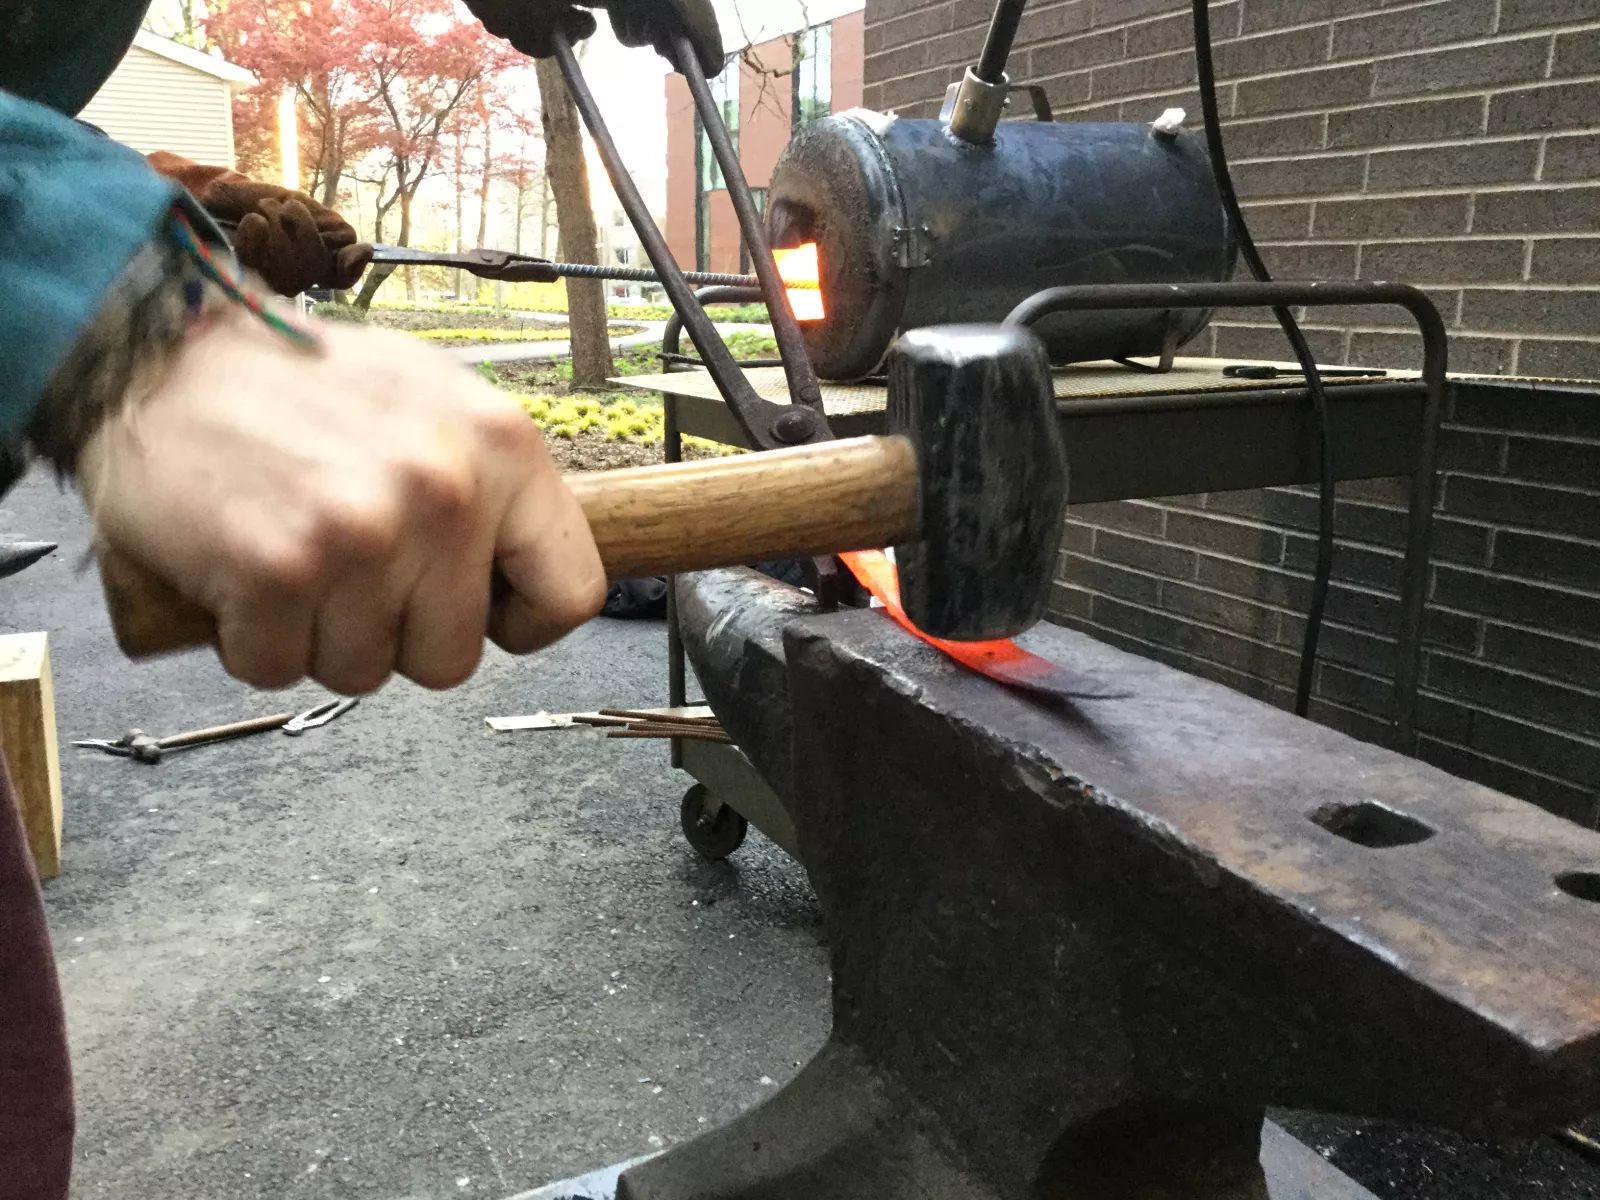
(801,266)
(1002,660)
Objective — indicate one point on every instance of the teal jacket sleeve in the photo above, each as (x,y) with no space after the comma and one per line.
(74,209)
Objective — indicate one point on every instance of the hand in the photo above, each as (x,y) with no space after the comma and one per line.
(527,24)
(341,513)
(283,235)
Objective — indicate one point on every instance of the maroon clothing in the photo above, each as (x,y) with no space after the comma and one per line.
(36,1121)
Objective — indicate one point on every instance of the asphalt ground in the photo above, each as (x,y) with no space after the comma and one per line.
(404,958)
(401,956)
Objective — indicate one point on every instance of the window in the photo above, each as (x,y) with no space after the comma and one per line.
(759,195)
(622,256)
(725,91)
(813,74)
(619,219)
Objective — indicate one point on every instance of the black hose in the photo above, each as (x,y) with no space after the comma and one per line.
(1002,33)
(1205,72)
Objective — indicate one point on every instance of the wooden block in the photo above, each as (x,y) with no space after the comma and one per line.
(28,738)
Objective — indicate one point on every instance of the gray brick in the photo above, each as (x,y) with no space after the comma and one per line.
(1517,15)
(1237,538)
(1310,176)
(1446,300)
(1312,260)
(1355,689)
(1129,516)
(1529,506)
(1508,311)
(1568,158)
(1547,210)
(1254,342)
(1420,121)
(1555,107)
(1566,464)
(1068,601)
(1077,53)
(1275,506)
(1076,536)
(1498,597)
(1283,589)
(1475,261)
(1448,166)
(1359,725)
(922,23)
(1468,355)
(1351,648)
(1521,742)
(1562,660)
(1158,73)
(1039,24)
(1424,216)
(1176,32)
(1514,694)
(1363,565)
(1499,62)
(1268,222)
(1221,610)
(1275,135)
(1303,91)
(1576,53)
(1259,659)
(1564,799)
(1104,578)
(1470,452)
(1271,14)
(1066,90)
(1114,12)
(1411,28)
(1160,558)
(1287,50)
(1559,359)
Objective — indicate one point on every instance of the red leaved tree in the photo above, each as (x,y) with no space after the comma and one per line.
(424,65)
(313,47)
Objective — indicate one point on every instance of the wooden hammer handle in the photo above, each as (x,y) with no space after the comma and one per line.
(848,495)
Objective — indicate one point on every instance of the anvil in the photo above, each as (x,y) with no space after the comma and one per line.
(1078,951)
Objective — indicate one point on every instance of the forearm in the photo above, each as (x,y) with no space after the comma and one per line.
(80,222)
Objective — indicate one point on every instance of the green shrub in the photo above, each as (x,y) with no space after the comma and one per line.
(560,431)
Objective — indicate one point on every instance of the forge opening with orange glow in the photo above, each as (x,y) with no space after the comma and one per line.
(801,269)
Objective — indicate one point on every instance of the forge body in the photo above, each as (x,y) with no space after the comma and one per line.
(1077,952)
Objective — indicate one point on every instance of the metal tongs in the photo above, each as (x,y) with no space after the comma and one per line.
(141,747)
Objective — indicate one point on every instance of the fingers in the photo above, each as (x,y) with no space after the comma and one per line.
(350,264)
(549,558)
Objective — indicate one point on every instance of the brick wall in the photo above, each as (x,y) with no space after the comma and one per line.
(1218,585)
(1452,143)
(1455,144)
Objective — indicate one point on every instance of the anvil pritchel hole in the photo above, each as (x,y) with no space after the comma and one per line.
(1585,885)
(1372,825)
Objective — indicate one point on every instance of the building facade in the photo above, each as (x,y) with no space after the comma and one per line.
(1453,144)
(766,91)
(166,96)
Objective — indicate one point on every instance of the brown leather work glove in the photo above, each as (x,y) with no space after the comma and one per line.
(283,235)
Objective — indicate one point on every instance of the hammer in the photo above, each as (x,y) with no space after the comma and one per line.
(969,486)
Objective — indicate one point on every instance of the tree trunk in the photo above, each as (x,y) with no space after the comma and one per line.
(405,240)
(461,220)
(483,199)
(568,174)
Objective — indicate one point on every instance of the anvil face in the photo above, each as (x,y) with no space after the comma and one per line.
(1058,929)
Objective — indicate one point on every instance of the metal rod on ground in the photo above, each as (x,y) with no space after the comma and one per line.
(803,386)
(718,359)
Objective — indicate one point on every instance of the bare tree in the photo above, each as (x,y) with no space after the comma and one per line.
(568,175)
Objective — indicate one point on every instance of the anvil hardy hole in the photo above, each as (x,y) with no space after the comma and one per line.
(1585,885)
(1372,825)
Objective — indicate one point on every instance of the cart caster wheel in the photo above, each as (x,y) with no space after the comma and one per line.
(713,835)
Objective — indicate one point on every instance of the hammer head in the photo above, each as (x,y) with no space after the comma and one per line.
(978,403)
